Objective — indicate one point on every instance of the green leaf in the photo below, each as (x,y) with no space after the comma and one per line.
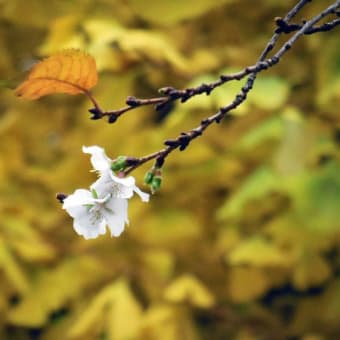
(270,129)
(269,93)
(262,181)
(317,195)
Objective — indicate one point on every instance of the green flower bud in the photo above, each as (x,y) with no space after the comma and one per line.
(119,164)
(156,183)
(148,177)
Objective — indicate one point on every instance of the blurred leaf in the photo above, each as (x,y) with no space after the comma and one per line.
(246,283)
(168,322)
(271,129)
(168,227)
(26,241)
(262,181)
(189,289)
(132,45)
(51,290)
(124,304)
(118,307)
(269,93)
(70,71)
(311,270)
(227,239)
(328,93)
(317,195)
(322,310)
(6,83)
(160,262)
(168,12)
(11,269)
(258,252)
(63,34)
(114,46)
(293,151)
(289,232)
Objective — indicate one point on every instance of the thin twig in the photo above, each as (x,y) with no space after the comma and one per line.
(170,94)
(284,27)
(183,140)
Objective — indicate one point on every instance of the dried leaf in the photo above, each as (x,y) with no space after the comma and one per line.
(70,71)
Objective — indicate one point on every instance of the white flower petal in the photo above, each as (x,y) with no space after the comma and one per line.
(89,231)
(115,215)
(104,199)
(79,197)
(123,186)
(77,211)
(99,160)
(103,185)
(125,181)
(144,196)
(106,203)
(120,191)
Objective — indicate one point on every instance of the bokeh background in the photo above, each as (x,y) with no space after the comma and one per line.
(242,242)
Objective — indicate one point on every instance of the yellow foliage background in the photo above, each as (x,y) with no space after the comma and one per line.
(243,240)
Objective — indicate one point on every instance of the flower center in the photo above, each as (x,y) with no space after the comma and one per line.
(117,190)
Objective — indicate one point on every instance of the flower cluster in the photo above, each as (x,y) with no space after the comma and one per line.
(105,204)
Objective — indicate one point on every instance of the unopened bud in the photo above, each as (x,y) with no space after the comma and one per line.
(148,177)
(112,118)
(132,101)
(60,197)
(96,113)
(156,183)
(119,164)
(165,91)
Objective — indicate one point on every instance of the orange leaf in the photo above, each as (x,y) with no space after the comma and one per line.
(70,71)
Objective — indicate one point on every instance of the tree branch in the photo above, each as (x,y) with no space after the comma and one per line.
(171,94)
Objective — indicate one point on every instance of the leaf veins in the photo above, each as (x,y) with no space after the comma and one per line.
(70,71)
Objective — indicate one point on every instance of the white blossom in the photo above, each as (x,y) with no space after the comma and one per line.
(108,182)
(105,204)
(92,214)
